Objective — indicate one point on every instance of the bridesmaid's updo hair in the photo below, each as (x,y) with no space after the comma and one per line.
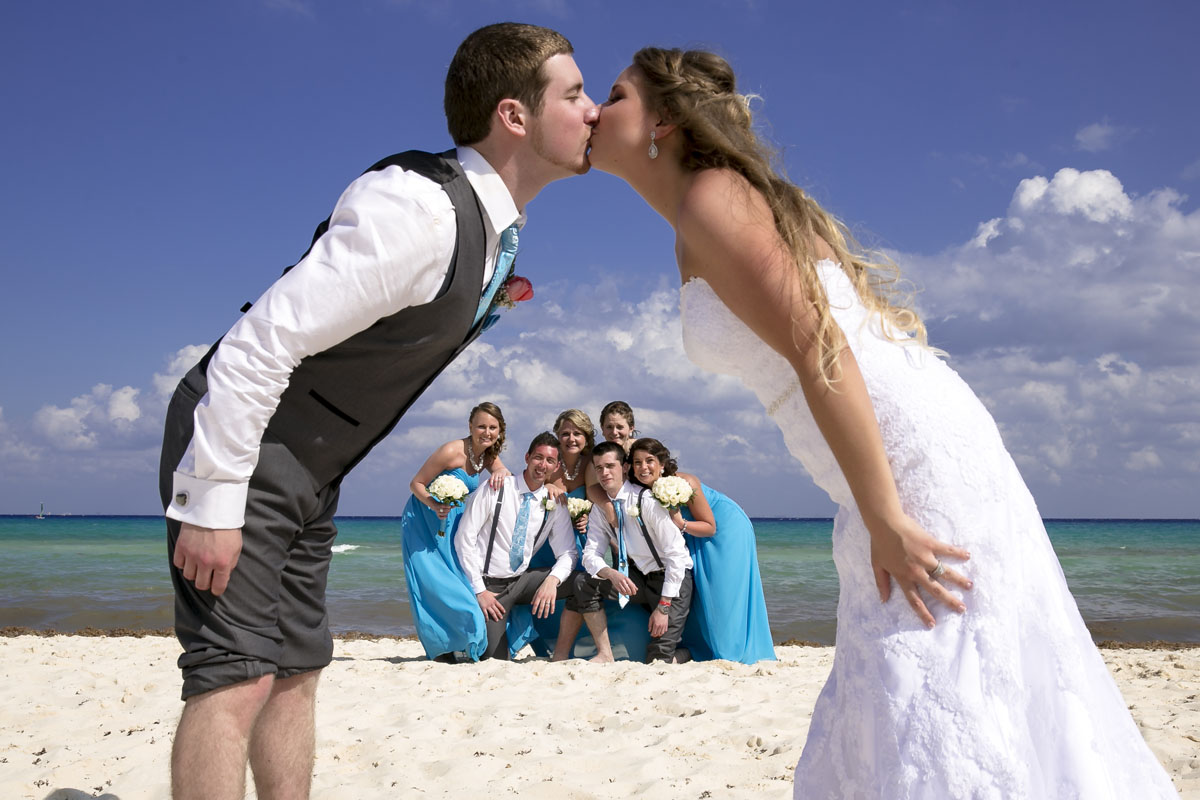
(621,409)
(579,420)
(697,91)
(494,410)
(657,449)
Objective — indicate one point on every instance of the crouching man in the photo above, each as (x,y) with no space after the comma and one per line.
(500,531)
(652,566)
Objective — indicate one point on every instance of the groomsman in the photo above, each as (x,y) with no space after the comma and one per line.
(652,569)
(498,534)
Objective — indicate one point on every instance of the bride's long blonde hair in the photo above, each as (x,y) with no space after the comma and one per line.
(697,91)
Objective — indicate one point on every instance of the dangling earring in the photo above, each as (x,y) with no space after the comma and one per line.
(653,152)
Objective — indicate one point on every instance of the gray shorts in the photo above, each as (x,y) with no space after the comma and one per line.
(271,619)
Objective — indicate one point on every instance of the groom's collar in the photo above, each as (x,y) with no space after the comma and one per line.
(498,205)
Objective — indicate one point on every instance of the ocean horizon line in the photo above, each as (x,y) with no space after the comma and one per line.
(74,515)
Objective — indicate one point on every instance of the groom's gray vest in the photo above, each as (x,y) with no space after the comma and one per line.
(341,402)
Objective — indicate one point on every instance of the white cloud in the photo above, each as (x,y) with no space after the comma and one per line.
(1192,171)
(89,416)
(1101,136)
(1097,195)
(177,366)
(1073,316)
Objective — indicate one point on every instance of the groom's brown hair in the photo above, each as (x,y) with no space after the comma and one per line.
(494,63)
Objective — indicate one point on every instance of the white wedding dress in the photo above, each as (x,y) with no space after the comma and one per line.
(1009,700)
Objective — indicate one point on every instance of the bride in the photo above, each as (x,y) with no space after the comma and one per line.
(977,678)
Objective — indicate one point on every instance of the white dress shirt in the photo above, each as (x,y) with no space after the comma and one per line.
(388,247)
(667,540)
(475,528)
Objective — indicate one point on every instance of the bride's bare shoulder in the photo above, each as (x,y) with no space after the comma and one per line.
(722,217)
(715,194)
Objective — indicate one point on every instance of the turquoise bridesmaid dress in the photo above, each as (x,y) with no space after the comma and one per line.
(628,628)
(728,619)
(443,605)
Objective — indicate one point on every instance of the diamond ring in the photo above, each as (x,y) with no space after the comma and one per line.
(937,571)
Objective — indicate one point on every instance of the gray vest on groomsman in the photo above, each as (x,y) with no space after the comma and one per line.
(341,402)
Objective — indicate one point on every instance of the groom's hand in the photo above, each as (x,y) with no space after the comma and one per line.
(490,606)
(206,556)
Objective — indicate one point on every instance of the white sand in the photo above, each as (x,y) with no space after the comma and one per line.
(94,717)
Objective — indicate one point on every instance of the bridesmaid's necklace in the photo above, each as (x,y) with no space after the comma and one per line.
(571,475)
(471,457)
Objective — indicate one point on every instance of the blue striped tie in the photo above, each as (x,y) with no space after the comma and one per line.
(508,253)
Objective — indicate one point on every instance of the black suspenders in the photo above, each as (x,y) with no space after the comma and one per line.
(649,541)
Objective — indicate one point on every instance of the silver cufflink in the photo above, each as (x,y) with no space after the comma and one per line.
(181,498)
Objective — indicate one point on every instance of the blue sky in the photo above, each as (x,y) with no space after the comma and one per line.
(1030,165)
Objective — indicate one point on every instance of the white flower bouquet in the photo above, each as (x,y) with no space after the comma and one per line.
(577,507)
(448,490)
(672,491)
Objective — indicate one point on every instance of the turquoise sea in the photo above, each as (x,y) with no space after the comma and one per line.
(1134,580)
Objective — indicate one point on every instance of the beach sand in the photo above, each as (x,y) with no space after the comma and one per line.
(94,717)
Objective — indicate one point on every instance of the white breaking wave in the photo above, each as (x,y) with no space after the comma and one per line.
(345,548)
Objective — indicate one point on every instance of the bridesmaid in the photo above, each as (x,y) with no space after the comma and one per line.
(576,436)
(729,614)
(616,423)
(443,606)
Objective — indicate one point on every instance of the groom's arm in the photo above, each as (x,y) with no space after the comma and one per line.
(389,244)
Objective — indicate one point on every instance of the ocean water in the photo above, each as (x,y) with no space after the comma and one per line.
(1134,580)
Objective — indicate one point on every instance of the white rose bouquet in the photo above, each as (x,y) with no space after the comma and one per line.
(577,507)
(448,490)
(672,491)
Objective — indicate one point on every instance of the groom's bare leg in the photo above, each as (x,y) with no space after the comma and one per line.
(283,744)
(597,625)
(568,629)
(208,758)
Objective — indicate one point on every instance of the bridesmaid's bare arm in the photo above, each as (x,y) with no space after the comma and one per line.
(703,523)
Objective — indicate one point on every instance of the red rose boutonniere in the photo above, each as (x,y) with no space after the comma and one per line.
(515,290)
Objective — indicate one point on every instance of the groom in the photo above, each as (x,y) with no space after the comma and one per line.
(499,533)
(261,432)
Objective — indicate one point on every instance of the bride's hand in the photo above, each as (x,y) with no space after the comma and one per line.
(908,553)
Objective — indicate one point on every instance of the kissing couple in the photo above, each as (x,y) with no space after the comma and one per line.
(962,667)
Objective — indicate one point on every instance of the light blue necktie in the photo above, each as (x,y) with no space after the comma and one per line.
(504,262)
(622,558)
(516,555)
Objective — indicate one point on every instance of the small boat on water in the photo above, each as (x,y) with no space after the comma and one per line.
(42,512)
